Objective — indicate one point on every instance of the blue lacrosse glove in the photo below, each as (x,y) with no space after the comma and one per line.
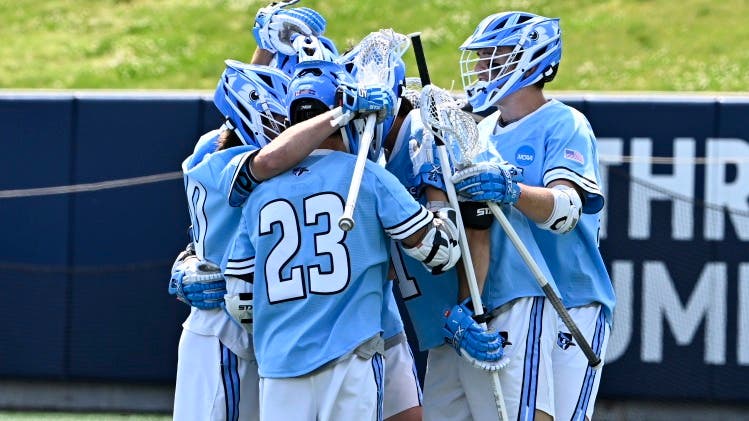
(365,99)
(197,283)
(425,164)
(276,27)
(482,348)
(489,182)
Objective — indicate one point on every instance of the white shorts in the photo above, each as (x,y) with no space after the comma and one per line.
(455,390)
(575,383)
(212,382)
(350,389)
(402,388)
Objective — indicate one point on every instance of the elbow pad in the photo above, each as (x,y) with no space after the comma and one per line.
(567,210)
(243,181)
(439,249)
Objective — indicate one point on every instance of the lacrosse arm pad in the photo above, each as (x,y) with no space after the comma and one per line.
(438,250)
(476,215)
(197,283)
(481,347)
(239,308)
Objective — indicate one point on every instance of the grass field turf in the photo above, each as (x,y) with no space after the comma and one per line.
(609,45)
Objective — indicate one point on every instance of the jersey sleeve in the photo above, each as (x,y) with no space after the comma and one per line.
(241,258)
(400,213)
(571,154)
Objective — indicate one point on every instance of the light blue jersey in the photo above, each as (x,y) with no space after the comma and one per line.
(556,142)
(319,290)
(426,296)
(208,175)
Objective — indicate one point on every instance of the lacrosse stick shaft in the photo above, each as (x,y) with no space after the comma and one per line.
(452,197)
(346,221)
(593,359)
(421,62)
(473,287)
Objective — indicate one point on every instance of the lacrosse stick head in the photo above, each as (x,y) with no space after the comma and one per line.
(518,49)
(251,98)
(441,114)
(412,91)
(376,60)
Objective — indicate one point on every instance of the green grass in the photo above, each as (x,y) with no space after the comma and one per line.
(69,416)
(609,45)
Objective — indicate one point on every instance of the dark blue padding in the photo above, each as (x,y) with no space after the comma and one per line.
(212,118)
(127,238)
(34,250)
(662,120)
(85,274)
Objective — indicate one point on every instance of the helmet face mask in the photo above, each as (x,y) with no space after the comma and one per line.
(251,99)
(507,52)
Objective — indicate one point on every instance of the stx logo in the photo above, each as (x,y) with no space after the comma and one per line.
(483,212)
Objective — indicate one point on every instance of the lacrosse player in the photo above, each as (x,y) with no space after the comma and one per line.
(431,298)
(216,370)
(402,391)
(319,289)
(505,63)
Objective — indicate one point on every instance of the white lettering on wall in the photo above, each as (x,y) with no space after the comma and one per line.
(661,301)
(719,191)
(622,276)
(681,182)
(742,339)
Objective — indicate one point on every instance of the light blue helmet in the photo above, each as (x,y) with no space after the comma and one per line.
(536,49)
(251,98)
(313,90)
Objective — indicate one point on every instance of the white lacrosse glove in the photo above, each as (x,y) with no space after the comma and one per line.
(275,27)
(197,283)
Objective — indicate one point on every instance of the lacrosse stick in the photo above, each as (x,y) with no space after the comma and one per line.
(478,306)
(464,145)
(373,65)
(437,117)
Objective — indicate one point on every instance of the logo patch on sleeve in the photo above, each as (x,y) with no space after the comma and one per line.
(574,155)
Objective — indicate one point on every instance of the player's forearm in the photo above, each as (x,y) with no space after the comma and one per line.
(292,146)
(262,57)
(537,203)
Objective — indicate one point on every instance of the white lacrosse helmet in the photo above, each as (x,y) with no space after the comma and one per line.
(536,45)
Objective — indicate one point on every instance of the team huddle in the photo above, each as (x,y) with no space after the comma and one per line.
(330,184)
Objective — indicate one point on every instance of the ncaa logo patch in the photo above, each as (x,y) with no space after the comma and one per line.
(525,155)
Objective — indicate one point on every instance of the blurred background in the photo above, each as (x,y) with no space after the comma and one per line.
(101,100)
